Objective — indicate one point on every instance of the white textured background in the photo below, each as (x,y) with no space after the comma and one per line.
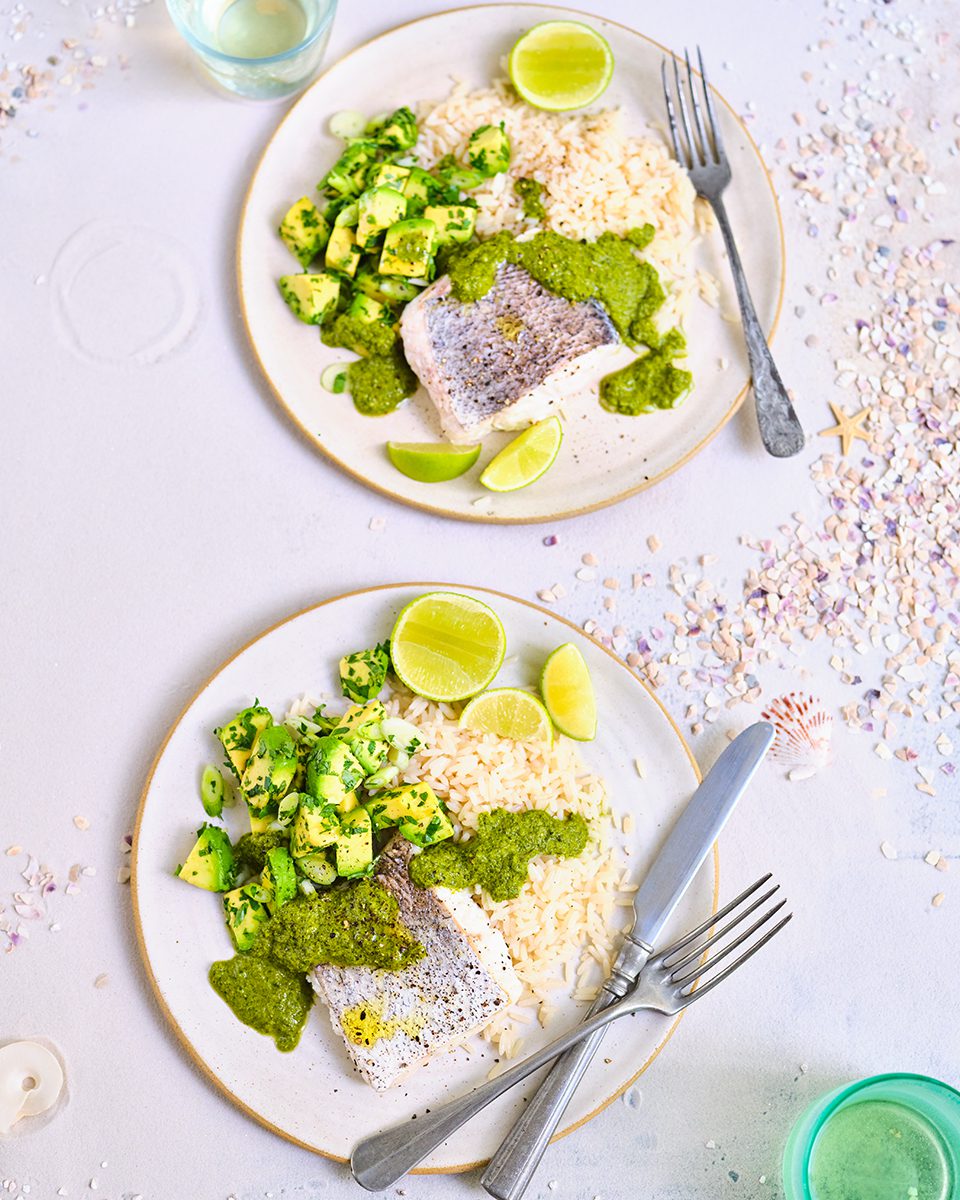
(154,518)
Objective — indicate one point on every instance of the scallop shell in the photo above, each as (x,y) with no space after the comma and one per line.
(804,730)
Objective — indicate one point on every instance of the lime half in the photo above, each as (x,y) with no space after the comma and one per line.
(431,462)
(559,65)
(567,692)
(509,713)
(524,459)
(446,646)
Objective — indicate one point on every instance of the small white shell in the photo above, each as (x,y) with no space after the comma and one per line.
(804,730)
(31,1080)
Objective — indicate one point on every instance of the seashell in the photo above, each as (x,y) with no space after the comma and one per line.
(804,730)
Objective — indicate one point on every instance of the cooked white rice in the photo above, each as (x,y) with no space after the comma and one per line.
(596,177)
(562,928)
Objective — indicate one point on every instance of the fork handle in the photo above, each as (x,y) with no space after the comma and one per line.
(512,1167)
(382,1159)
(780,427)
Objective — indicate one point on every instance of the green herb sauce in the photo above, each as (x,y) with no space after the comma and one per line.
(264,995)
(530,192)
(251,850)
(498,856)
(354,924)
(381,378)
(607,271)
(380,382)
(650,382)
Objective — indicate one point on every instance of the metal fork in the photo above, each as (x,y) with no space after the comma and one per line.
(667,984)
(700,150)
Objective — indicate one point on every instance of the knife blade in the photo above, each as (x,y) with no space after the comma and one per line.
(681,856)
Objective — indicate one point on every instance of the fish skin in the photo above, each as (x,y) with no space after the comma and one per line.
(464,980)
(506,360)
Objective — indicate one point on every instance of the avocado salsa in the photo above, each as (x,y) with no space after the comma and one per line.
(324,795)
(386,227)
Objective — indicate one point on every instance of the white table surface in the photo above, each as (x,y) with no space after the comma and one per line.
(131,497)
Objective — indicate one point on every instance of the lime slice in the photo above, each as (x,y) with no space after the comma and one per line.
(431,462)
(525,458)
(446,646)
(509,713)
(559,65)
(568,693)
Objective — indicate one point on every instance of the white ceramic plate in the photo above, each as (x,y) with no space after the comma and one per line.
(604,457)
(312,1096)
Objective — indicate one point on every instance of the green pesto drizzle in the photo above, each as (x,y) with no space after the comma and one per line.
(498,856)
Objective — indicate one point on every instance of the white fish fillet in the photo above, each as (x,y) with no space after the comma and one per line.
(465,978)
(506,360)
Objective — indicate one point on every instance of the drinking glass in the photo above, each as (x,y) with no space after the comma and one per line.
(890,1137)
(260,49)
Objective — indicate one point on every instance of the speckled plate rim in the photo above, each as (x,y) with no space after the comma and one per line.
(480,517)
(184,1041)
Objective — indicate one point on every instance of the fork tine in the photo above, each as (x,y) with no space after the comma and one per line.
(695,159)
(713,918)
(683,980)
(708,99)
(720,933)
(672,116)
(688,997)
(697,116)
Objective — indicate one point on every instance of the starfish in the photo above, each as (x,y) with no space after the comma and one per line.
(847,427)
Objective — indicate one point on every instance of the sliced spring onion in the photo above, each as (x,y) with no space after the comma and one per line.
(347,124)
(307,887)
(334,377)
(348,215)
(211,791)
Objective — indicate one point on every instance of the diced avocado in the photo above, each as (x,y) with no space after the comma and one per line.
(209,864)
(348,215)
(331,758)
(318,868)
(304,230)
(245,912)
(278,879)
(379,208)
(315,828)
(211,791)
(370,753)
(408,248)
(415,810)
(401,735)
(387,291)
(239,734)
(355,844)
(463,179)
(488,149)
(260,824)
(270,769)
(356,716)
(368,310)
(312,298)
(399,131)
(363,674)
(454,222)
(343,253)
(420,190)
(387,175)
(345,177)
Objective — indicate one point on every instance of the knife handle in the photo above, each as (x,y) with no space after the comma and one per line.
(512,1167)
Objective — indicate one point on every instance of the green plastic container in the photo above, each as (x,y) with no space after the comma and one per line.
(891,1137)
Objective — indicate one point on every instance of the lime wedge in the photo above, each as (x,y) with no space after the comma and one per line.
(559,65)
(431,462)
(568,693)
(509,713)
(525,458)
(445,646)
